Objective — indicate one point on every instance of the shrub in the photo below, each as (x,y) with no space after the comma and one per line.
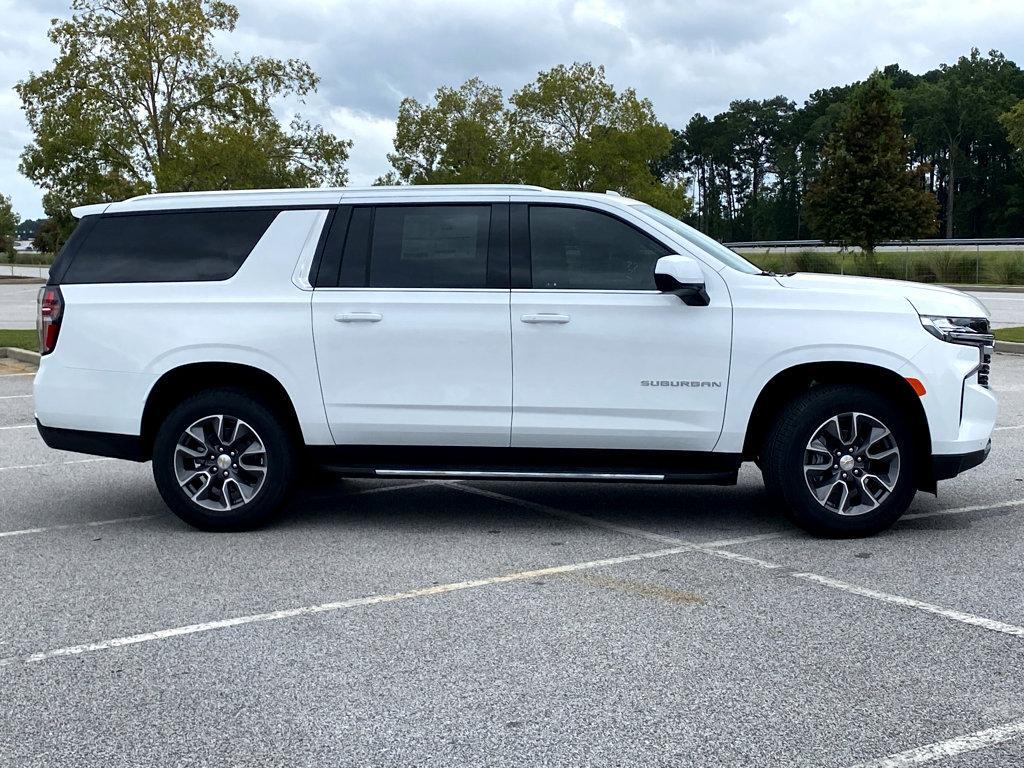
(1005,268)
(954,266)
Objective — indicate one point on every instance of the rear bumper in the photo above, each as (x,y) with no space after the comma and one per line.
(951,465)
(114,445)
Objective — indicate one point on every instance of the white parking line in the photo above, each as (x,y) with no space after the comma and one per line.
(9,397)
(632,530)
(57,464)
(968,509)
(302,611)
(1011,427)
(62,526)
(134,518)
(16,427)
(954,746)
(959,616)
(556,512)
(26,373)
(713,549)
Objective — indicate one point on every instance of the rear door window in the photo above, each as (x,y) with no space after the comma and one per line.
(425,247)
(168,246)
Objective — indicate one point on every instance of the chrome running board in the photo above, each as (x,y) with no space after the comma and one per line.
(517,474)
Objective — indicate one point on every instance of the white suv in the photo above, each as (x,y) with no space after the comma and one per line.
(493,332)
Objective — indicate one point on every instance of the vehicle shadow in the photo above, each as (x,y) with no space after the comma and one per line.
(666,510)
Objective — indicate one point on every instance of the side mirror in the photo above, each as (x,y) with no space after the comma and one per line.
(682,276)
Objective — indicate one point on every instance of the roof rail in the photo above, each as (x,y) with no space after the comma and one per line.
(342,190)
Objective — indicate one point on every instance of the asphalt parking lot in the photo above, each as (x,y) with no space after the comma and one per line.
(505,623)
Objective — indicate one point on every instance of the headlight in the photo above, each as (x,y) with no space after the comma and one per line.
(972,331)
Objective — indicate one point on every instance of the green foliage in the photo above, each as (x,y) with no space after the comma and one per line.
(138,101)
(1004,268)
(26,339)
(26,230)
(462,137)
(48,239)
(9,222)
(865,194)
(569,129)
(1012,334)
(1013,122)
(752,164)
(953,114)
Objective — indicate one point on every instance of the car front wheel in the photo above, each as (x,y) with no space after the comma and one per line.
(842,461)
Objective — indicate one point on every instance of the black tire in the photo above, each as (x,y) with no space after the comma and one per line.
(785,451)
(278,457)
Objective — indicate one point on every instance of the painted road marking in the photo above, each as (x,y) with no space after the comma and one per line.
(16,427)
(25,373)
(954,746)
(556,512)
(57,464)
(968,509)
(134,518)
(303,611)
(713,549)
(62,526)
(9,397)
(959,616)
(1011,427)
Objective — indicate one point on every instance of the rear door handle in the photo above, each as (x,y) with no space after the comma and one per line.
(359,317)
(545,317)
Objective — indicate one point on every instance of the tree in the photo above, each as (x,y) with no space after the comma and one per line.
(47,239)
(139,101)
(8,224)
(953,114)
(462,137)
(1013,122)
(865,192)
(569,129)
(572,130)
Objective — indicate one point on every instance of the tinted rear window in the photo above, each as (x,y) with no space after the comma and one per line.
(168,247)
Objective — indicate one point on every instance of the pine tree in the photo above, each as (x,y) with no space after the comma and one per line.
(865,192)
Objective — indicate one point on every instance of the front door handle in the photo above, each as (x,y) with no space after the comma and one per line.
(545,317)
(359,317)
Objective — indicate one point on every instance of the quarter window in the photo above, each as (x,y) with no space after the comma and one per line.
(168,247)
(429,247)
(577,248)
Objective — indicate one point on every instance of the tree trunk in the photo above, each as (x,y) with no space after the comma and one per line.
(951,191)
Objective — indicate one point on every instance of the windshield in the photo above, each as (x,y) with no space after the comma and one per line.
(700,240)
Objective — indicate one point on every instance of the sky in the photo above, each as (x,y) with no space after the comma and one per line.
(687,56)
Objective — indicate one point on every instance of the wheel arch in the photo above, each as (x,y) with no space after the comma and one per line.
(185,380)
(791,382)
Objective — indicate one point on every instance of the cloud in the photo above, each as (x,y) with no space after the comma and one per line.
(686,57)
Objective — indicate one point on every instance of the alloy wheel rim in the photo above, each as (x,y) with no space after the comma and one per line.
(851,463)
(220,462)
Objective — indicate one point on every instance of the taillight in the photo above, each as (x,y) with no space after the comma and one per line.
(51,311)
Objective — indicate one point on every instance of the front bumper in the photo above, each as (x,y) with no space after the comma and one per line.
(951,465)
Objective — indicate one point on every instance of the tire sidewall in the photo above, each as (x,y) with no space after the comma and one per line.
(790,481)
(276,442)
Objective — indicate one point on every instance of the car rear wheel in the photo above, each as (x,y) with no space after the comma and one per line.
(842,461)
(222,461)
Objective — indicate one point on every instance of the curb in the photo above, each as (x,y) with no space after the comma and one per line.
(26,356)
(1012,347)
